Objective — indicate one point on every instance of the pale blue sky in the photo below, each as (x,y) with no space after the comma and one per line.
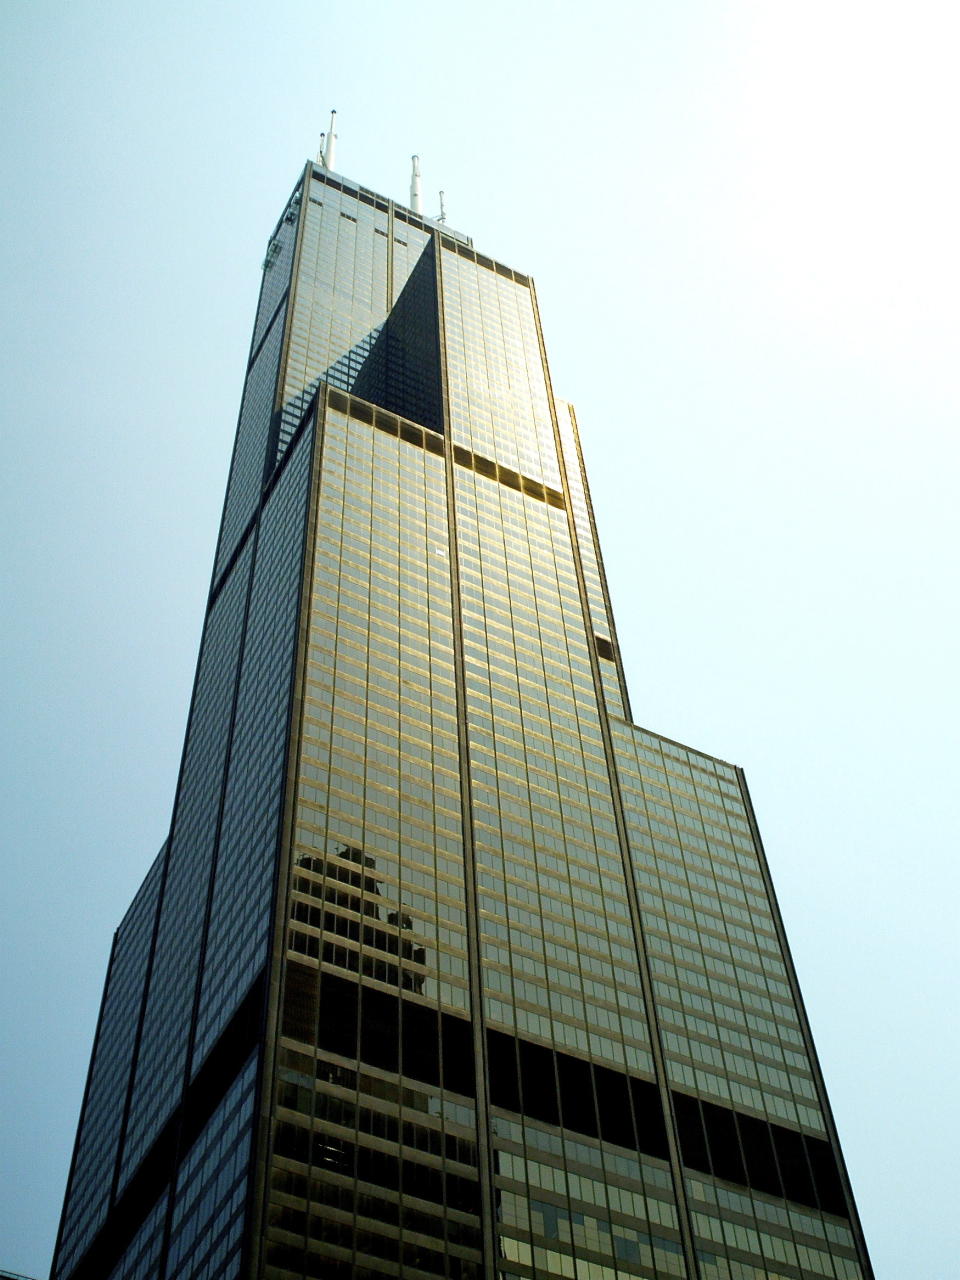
(742,220)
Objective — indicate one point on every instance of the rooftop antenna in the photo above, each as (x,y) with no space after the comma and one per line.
(416,201)
(320,159)
(443,210)
(330,146)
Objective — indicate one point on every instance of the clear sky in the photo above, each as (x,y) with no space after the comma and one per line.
(743,223)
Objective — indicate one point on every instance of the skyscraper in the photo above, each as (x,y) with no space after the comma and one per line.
(445,967)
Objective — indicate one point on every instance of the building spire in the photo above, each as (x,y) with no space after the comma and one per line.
(416,199)
(329,151)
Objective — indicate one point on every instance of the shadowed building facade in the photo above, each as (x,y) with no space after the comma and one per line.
(445,968)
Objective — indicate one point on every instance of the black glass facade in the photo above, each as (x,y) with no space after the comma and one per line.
(446,967)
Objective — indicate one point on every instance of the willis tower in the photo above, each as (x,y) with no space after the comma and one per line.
(445,967)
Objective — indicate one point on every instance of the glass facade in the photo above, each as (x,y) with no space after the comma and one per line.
(446,967)
(91,1178)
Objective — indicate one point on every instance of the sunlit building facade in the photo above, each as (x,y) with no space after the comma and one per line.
(445,968)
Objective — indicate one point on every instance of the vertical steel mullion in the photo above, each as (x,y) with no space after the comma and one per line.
(228,760)
(391,222)
(273,432)
(177,1152)
(656,1046)
(261,1147)
(601,571)
(478,1022)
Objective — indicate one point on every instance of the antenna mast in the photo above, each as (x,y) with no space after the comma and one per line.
(329,152)
(443,210)
(416,200)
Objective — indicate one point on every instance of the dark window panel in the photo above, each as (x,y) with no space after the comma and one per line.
(724,1143)
(794,1170)
(613,1105)
(458,1072)
(339,1016)
(380,1029)
(421,1043)
(301,997)
(504,1074)
(576,1095)
(826,1176)
(538,1083)
(761,1162)
(693,1138)
(648,1113)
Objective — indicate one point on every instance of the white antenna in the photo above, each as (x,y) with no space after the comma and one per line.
(443,210)
(320,159)
(330,149)
(416,201)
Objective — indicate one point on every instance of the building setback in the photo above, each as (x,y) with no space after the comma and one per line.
(445,968)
